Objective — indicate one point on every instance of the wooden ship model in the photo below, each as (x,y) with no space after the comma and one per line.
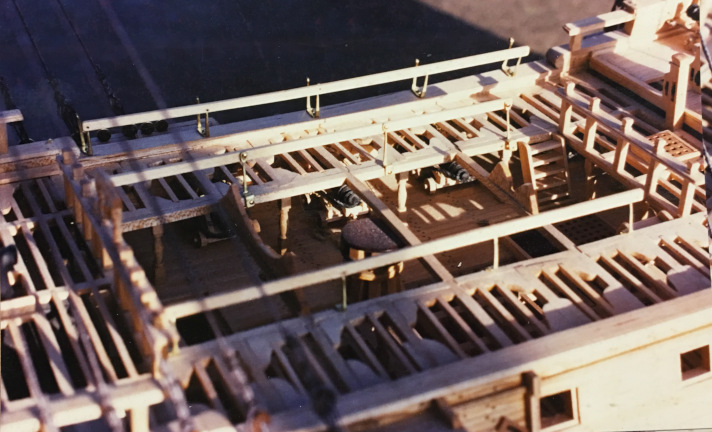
(519,249)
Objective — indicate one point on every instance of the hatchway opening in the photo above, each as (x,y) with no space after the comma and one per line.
(557,409)
(695,363)
(195,329)
(13,377)
(534,243)
(586,229)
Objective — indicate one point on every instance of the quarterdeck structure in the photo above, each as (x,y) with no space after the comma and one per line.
(519,249)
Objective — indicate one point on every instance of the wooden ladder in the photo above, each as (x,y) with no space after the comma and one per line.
(546,167)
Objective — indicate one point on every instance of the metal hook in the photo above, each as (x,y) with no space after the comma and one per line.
(507,108)
(505,68)
(313,112)
(199,126)
(84,140)
(420,92)
(342,306)
(386,169)
(249,198)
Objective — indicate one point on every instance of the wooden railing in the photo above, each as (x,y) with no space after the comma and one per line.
(582,28)
(270,150)
(6,117)
(310,91)
(630,147)
(97,210)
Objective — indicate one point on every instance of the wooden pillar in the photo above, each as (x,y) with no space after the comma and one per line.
(591,174)
(139,419)
(655,170)
(6,117)
(622,145)
(533,397)
(566,110)
(402,192)
(284,206)
(88,191)
(675,90)
(159,271)
(3,138)
(77,173)
(589,134)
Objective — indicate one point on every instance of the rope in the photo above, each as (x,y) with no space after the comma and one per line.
(114,100)
(65,109)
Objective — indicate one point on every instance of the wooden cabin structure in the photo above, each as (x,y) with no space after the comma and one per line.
(522,249)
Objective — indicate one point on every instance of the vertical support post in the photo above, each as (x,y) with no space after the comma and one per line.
(77,173)
(590,170)
(566,111)
(3,137)
(402,192)
(385,144)
(687,195)
(88,188)
(623,145)
(284,206)
(6,117)
(675,90)
(533,396)
(207,124)
(199,126)
(631,217)
(507,108)
(159,271)
(344,300)
(589,134)
(655,169)
(495,253)
(139,419)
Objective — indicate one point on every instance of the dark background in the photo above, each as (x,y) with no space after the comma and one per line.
(160,54)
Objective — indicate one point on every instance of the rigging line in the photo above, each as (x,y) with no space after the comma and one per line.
(123,36)
(114,100)
(155,93)
(66,111)
(47,72)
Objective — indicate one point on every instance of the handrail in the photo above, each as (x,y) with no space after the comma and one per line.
(455,241)
(596,23)
(308,91)
(122,179)
(640,142)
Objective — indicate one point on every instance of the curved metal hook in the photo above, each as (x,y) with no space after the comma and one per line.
(505,67)
(419,91)
(313,112)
